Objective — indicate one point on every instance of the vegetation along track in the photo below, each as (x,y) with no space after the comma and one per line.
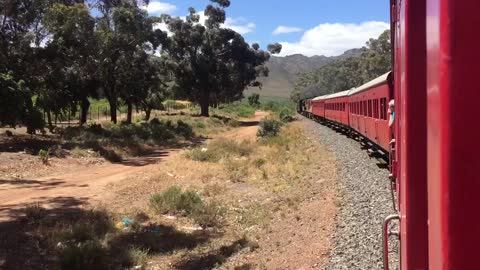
(365,203)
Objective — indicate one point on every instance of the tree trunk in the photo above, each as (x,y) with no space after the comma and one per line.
(84,106)
(148,112)
(49,120)
(204,102)
(113,110)
(129,112)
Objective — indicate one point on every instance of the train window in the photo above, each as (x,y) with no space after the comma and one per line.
(369,108)
(375,108)
(365,112)
(383,108)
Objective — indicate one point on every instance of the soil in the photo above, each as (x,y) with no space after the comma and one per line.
(24,179)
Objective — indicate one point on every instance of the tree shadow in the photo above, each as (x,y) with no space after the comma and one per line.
(213,258)
(66,235)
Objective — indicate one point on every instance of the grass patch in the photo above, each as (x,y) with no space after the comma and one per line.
(269,127)
(236,109)
(187,203)
(220,148)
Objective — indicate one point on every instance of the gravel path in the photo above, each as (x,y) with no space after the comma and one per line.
(366,202)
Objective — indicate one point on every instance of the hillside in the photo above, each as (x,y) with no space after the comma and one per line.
(284,70)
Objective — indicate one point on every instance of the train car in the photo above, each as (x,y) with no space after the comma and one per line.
(409,175)
(452,97)
(368,110)
(308,107)
(318,107)
(336,107)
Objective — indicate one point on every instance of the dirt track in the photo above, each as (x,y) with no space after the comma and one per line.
(91,184)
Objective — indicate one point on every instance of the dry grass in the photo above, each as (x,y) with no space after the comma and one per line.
(246,186)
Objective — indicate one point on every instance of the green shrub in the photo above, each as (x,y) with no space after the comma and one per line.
(183,129)
(286,115)
(81,256)
(174,201)
(34,120)
(209,215)
(254,100)
(269,128)
(44,156)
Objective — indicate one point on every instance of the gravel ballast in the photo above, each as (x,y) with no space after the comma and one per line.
(365,202)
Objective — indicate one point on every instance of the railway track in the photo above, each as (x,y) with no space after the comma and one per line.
(365,200)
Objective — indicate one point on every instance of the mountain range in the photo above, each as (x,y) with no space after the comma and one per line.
(284,71)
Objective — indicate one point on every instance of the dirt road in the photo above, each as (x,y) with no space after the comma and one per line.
(90,185)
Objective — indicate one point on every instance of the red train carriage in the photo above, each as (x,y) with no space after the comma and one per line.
(452,128)
(318,107)
(368,110)
(308,106)
(336,107)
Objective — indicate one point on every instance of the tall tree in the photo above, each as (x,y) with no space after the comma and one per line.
(211,62)
(123,29)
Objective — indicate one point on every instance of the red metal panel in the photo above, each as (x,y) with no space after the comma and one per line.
(410,78)
(453,129)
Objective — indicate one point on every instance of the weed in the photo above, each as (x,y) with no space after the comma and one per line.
(269,128)
(44,156)
(138,257)
(209,215)
(237,169)
(203,155)
(183,129)
(220,148)
(259,162)
(173,200)
(79,152)
(255,215)
(86,255)
(35,212)
(286,115)
(213,189)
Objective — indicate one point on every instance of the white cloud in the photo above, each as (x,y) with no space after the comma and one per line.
(157,7)
(331,39)
(286,29)
(239,25)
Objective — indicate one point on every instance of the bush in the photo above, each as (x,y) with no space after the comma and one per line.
(209,215)
(269,128)
(183,129)
(254,100)
(44,156)
(286,115)
(86,255)
(34,120)
(174,201)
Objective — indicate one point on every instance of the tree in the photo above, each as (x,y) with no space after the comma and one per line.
(254,100)
(347,73)
(124,30)
(212,63)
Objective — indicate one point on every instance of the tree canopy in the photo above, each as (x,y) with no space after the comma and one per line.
(56,55)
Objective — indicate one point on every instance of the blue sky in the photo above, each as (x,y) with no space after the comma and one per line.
(310,27)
